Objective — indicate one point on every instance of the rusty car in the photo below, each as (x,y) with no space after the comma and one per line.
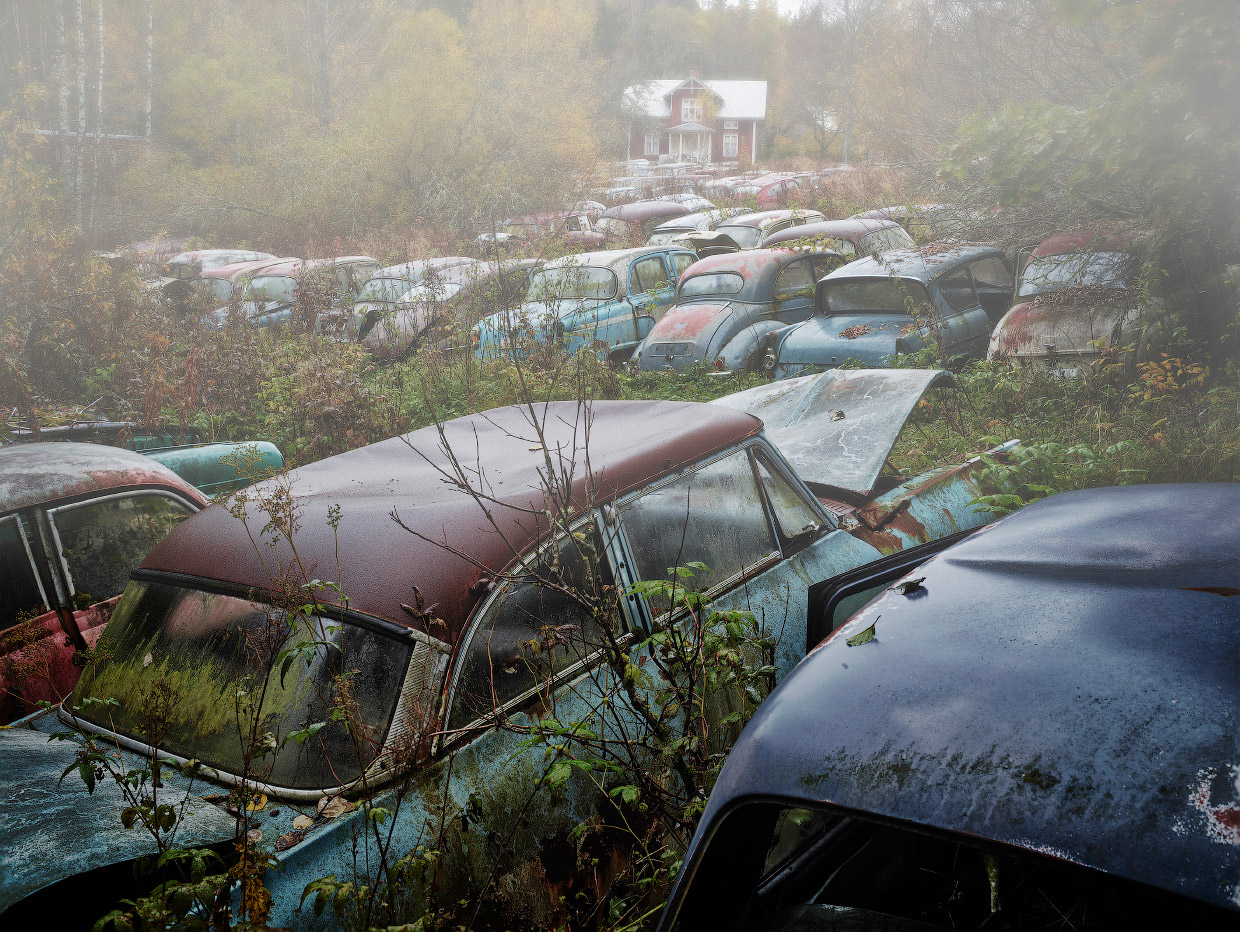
(310,290)
(1034,729)
(727,304)
(853,238)
(75,520)
(1089,294)
(900,302)
(572,227)
(636,221)
(437,589)
(751,230)
(605,302)
(442,308)
(698,222)
(217,287)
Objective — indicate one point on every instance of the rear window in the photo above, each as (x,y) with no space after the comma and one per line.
(385,290)
(214,661)
(697,286)
(1048,274)
(876,295)
(219,289)
(745,237)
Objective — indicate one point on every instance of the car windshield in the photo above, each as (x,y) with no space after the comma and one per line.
(1048,274)
(715,283)
(282,288)
(385,290)
(216,662)
(874,296)
(579,281)
(745,237)
(659,237)
(220,289)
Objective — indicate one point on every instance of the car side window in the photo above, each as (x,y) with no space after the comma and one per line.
(534,630)
(681,261)
(796,280)
(825,265)
(647,275)
(957,290)
(20,596)
(104,540)
(794,518)
(713,516)
(991,273)
(777,227)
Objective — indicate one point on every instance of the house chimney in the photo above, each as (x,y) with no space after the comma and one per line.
(695,73)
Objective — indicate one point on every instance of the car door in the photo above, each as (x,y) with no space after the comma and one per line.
(993,281)
(71,562)
(794,292)
(963,326)
(756,529)
(652,288)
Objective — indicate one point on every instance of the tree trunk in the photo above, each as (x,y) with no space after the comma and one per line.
(81,114)
(62,94)
(94,181)
(150,69)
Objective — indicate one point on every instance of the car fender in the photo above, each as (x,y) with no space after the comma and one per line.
(743,349)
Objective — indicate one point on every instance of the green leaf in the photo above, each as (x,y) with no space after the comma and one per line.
(863,638)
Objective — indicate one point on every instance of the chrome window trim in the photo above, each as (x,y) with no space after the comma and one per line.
(452,733)
(94,500)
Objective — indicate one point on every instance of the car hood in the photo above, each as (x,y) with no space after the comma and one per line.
(51,830)
(837,428)
(690,323)
(1040,328)
(821,341)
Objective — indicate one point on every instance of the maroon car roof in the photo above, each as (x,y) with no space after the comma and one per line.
(1085,240)
(42,473)
(630,443)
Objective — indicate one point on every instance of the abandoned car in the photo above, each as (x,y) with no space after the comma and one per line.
(900,302)
(945,762)
(1085,294)
(218,286)
(636,221)
(853,238)
(725,306)
(603,301)
(751,230)
(438,620)
(75,520)
(301,289)
(442,308)
(700,222)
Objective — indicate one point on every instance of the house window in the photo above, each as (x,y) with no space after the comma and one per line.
(731,145)
(652,144)
(729,124)
(691,110)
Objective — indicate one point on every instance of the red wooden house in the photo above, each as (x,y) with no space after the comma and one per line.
(696,119)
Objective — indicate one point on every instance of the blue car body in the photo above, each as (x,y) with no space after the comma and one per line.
(606,301)
(899,302)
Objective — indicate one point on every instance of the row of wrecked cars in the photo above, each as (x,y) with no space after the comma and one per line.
(970,728)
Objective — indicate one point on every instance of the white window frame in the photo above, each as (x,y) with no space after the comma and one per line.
(652,144)
(731,145)
(729,124)
(691,110)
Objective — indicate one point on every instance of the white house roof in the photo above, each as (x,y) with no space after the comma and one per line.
(741,100)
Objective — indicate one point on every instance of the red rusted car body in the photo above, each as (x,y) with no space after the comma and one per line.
(75,520)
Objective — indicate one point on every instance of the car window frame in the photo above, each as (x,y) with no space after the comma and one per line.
(937,286)
(662,257)
(454,735)
(26,537)
(755,448)
(802,261)
(59,555)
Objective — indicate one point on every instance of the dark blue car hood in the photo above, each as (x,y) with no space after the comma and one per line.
(1066,681)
